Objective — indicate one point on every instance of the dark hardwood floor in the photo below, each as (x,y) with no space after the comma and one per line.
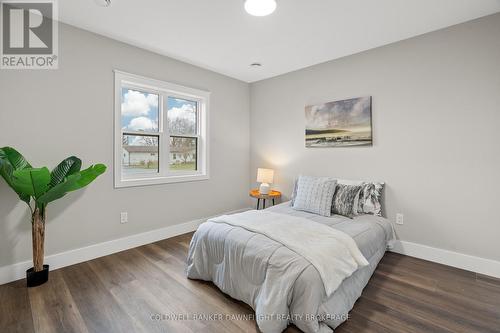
(123,291)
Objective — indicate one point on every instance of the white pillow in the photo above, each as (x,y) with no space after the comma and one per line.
(294,191)
(349,182)
(315,194)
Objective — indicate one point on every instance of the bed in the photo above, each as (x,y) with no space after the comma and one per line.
(254,268)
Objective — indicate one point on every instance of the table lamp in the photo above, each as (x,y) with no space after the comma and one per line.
(265,177)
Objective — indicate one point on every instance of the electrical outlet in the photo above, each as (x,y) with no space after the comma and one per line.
(123,217)
(399,219)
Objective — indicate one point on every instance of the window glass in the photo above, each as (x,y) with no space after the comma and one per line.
(182,115)
(182,153)
(139,154)
(139,111)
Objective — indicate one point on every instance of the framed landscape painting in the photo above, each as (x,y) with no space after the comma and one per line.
(340,124)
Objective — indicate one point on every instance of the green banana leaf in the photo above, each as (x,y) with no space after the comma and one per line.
(88,175)
(31,181)
(15,158)
(60,190)
(73,182)
(39,183)
(66,168)
(9,157)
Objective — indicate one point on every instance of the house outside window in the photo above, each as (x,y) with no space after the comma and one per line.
(161,133)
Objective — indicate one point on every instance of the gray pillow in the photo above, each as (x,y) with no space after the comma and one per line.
(344,198)
(315,195)
(370,199)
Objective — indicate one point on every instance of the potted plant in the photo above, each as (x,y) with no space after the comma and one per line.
(37,187)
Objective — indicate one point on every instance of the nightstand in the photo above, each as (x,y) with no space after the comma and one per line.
(271,196)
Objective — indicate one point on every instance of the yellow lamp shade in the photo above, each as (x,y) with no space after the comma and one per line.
(265,175)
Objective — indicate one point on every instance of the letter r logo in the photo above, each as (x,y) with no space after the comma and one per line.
(27,27)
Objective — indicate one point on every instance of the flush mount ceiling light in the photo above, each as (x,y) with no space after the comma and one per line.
(260,7)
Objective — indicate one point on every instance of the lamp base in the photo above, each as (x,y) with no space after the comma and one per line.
(264,188)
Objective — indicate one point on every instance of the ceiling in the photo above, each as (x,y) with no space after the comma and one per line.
(219,35)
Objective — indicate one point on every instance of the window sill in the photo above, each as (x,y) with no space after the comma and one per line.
(121,183)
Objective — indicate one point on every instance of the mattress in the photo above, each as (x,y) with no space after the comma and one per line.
(241,263)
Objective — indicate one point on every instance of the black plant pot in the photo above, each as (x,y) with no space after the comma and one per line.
(34,279)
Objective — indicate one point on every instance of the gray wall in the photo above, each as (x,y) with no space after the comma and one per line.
(49,115)
(436,114)
(436,109)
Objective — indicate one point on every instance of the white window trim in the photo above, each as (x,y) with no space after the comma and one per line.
(165,176)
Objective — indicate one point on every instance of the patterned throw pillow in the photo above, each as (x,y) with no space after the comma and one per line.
(315,194)
(352,182)
(343,200)
(369,199)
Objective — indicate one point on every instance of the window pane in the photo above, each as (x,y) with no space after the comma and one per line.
(181,116)
(139,111)
(139,154)
(182,153)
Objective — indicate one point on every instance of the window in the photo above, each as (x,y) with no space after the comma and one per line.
(160,132)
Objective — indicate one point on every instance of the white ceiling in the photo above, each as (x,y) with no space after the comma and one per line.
(219,35)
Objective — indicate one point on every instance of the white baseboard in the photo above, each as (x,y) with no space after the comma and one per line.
(449,258)
(18,271)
